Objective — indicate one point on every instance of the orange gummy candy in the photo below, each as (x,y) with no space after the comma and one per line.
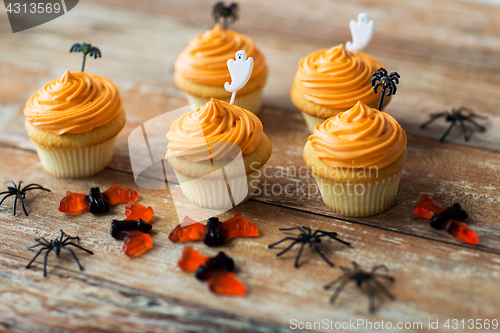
(118,193)
(461,231)
(190,231)
(237,226)
(226,283)
(135,211)
(191,259)
(137,243)
(73,202)
(427,207)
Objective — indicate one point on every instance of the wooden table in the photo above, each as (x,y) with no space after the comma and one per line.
(448,55)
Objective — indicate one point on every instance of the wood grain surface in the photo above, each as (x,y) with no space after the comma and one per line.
(448,54)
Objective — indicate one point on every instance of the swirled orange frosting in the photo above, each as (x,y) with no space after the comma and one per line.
(220,125)
(359,137)
(337,78)
(75,103)
(204,61)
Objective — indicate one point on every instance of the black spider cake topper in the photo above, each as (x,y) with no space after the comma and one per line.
(387,82)
(356,274)
(306,236)
(56,245)
(228,13)
(20,194)
(86,49)
(461,115)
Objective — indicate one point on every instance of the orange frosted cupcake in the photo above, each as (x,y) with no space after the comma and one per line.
(357,158)
(201,69)
(217,152)
(331,81)
(73,122)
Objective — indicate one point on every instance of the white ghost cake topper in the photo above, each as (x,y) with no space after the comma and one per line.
(361,31)
(240,71)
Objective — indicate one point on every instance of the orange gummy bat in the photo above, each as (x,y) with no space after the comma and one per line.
(216,270)
(214,233)
(135,211)
(446,218)
(73,202)
(427,207)
(226,283)
(96,201)
(191,259)
(137,243)
(118,193)
(461,231)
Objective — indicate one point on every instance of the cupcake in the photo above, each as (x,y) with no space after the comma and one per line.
(331,81)
(357,158)
(201,69)
(216,149)
(73,122)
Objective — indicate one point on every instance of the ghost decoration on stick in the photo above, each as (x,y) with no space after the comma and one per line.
(361,31)
(240,71)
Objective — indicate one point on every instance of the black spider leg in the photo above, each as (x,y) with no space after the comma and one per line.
(18,196)
(46,246)
(392,89)
(68,241)
(34,186)
(453,122)
(21,196)
(295,241)
(8,195)
(371,298)
(74,256)
(65,243)
(37,254)
(316,248)
(481,127)
(339,289)
(45,261)
(461,121)
(29,187)
(471,113)
(333,235)
(270,246)
(300,253)
(433,117)
(395,76)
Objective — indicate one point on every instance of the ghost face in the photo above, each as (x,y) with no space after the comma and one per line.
(241,55)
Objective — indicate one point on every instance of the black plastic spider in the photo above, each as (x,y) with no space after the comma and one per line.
(20,193)
(85,49)
(388,82)
(461,114)
(361,277)
(228,13)
(56,245)
(307,237)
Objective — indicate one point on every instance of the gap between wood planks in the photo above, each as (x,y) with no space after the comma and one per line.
(300,210)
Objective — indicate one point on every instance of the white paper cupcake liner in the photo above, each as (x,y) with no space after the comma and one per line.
(359,199)
(251,102)
(215,194)
(312,121)
(78,162)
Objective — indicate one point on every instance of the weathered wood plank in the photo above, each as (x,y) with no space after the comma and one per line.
(67,300)
(431,82)
(277,292)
